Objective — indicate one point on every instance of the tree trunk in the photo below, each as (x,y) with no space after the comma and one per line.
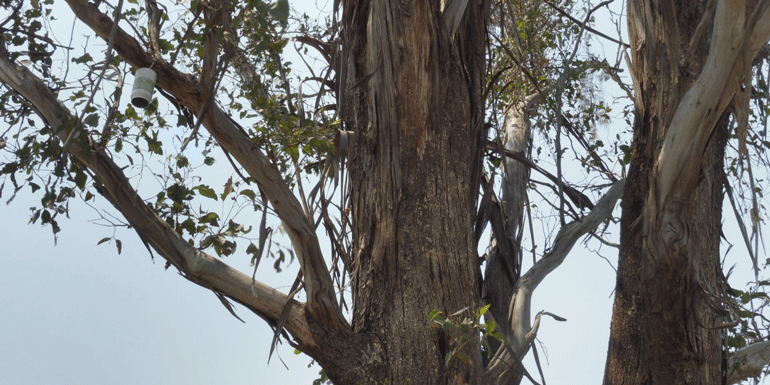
(413,96)
(665,326)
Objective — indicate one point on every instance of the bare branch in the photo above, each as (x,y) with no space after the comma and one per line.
(520,305)
(584,25)
(579,199)
(107,62)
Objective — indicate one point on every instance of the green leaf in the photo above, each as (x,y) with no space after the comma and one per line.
(626,154)
(210,218)
(249,193)
(35,216)
(119,245)
(83,59)
(279,11)
(131,113)
(459,312)
(80,179)
(228,248)
(463,356)
(46,216)
(92,120)
(281,258)
(206,191)
(55,228)
(435,315)
(499,336)
(189,225)
(207,241)
(181,161)
(103,240)
(178,193)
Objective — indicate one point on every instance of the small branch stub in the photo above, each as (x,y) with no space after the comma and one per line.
(144,85)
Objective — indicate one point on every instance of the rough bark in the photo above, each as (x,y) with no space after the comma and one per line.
(666,316)
(413,97)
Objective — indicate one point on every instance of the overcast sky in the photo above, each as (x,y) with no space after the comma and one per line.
(78,313)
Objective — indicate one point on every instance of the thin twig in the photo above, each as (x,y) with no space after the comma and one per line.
(108,60)
(587,28)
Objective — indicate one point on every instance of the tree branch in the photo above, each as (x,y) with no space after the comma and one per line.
(748,362)
(198,267)
(520,305)
(735,41)
(192,94)
(582,24)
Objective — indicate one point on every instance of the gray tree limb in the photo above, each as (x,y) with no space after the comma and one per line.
(502,368)
(192,94)
(200,268)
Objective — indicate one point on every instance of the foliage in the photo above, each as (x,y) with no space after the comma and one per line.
(290,111)
(462,329)
(164,139)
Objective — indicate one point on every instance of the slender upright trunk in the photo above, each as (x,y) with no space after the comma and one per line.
(413,96)
(665,322)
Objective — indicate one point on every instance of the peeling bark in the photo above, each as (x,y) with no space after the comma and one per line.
(413,98)
(501,271)
(670,286)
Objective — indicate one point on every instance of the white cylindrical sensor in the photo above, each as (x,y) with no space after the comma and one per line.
(144,85)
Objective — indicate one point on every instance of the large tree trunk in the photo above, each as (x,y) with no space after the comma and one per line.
(665,326)
(413,96)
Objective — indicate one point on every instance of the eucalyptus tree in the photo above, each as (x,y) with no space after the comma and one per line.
(399,132)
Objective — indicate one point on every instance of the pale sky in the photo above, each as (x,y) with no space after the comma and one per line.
(78,313)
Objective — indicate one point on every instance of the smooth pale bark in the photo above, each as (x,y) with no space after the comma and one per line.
(748,362)
(500,273)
